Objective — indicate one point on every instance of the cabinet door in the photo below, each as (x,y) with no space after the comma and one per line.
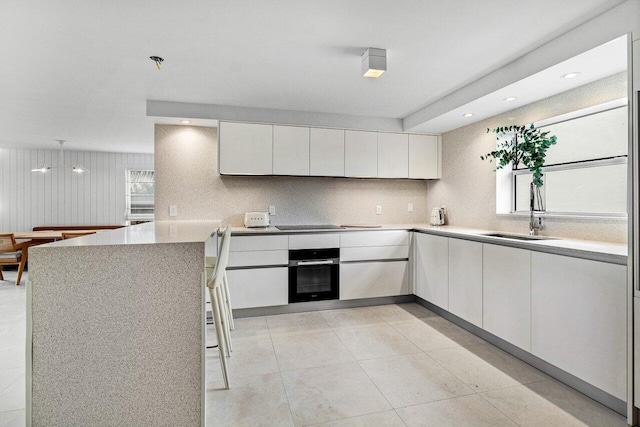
(579,318)
(374,279)
(465,280)
(432,269)
(393,155)
(258,287)
(326,152)
(506,294)
(424,157)
(290,150)
(360,154)
(245,149)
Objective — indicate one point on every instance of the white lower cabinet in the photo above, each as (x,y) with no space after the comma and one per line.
(258,287)
(374,279)
(465,280)
(432,269)
(578,318)
(506,305)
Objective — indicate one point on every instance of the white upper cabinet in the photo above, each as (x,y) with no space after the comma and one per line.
(266,149)
(393,155)
(424,157)
(245,149)
(326,152)
(360,154)
(290,150)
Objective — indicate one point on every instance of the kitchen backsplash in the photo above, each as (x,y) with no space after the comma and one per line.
(186,165)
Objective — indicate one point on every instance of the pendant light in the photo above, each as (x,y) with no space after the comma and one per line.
(75,169)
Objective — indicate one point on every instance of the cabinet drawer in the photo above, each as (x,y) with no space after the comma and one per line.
(258,287)
(374,238)
(374,279)
(314,241)
(259,243)
(374,252)
(258,258)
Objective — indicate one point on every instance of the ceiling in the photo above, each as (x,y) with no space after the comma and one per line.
(80,71)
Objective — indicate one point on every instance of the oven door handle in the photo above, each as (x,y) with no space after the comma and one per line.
(323,262)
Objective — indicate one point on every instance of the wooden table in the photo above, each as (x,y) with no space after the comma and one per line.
(48,234)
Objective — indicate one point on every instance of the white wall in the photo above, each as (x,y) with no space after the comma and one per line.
(61,197)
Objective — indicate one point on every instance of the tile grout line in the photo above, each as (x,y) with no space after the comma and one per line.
(286,395)
(498,409)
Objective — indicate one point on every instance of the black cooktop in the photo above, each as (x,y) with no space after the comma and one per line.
(309,227)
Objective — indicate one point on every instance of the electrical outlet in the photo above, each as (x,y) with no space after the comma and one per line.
(272,210)
(410,207)
(379,210)
(173,210)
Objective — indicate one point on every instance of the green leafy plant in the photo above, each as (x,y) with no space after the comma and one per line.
(528,148)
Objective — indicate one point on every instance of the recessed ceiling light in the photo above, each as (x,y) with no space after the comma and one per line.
(468,115)
(570,75)
(186,122)
(510,98)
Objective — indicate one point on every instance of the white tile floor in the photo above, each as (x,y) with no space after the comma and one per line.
(391,365)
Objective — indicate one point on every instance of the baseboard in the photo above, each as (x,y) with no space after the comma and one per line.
(301,307)
(571,380)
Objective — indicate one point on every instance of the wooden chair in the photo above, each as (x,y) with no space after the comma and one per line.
(220,318)
(72,234)
(12,253)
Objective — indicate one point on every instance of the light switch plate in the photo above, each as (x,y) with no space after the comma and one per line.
(272,210)
(379,210)
(173,210)
(410,207)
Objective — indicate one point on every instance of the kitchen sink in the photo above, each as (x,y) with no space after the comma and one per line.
(517,236)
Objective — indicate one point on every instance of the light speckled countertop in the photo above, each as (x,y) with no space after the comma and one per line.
(599,251)
(146,234)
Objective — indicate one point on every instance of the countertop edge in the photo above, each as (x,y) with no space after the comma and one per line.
(538,246)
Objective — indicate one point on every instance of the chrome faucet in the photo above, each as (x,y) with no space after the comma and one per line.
(535,224)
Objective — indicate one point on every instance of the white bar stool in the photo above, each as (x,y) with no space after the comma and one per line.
(220,316)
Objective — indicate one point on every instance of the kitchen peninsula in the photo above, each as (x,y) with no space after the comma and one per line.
(115,329)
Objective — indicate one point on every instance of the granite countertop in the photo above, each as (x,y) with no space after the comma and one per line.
(599,251)
(146,234)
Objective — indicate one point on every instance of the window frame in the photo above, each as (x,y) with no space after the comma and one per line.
(578,164)
(127,214)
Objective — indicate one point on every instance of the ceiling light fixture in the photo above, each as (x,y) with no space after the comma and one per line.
(186,122)
(468,115)
(44,168)
(570,75)
(158,60)
(510,98)
(373,62)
